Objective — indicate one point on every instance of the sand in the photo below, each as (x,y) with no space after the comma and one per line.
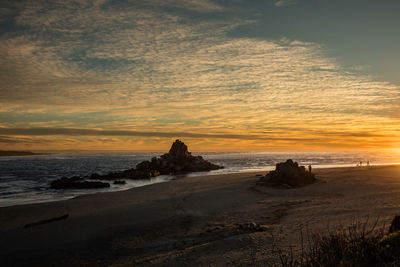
(195,221)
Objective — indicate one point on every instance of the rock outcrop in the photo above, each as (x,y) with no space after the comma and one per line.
(76,182)
(288,174)
(391,240)
(395,225)
(130,174)
(177,160)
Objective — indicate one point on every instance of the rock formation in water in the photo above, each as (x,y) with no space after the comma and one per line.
(76,182)
(288,174)
(119,182)
(131,174)
(177,160)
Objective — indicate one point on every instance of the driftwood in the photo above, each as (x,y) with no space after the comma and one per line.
(46,221)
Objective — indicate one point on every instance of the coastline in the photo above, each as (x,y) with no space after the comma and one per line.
(193,219)
(71,194)
(18,153)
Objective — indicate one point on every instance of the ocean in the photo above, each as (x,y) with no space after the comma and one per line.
(25,179)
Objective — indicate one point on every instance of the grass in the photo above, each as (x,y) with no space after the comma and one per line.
(359,244)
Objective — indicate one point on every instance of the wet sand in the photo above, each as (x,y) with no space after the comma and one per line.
(198,221)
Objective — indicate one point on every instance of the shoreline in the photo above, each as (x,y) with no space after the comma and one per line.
(195,220)
(193,175)
(168,178)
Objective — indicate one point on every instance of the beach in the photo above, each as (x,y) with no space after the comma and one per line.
(198,221)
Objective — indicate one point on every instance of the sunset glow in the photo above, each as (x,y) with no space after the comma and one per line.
(135,76)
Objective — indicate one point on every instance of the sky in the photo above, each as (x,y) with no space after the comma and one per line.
(219,75)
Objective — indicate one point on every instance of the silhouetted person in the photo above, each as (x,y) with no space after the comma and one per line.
(360,163)
(367,162)
(309,168)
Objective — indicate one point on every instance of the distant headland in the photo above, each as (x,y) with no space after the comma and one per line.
(8,153)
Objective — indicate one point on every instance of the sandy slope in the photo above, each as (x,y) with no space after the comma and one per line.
(194,221)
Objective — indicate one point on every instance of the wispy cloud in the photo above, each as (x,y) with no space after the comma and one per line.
(197,5)
(148,67)
(123,139)
(282,3)
(94,132)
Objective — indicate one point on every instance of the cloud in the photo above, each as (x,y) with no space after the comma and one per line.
(156,66)
(196,5)
(271,135)
(282,3)
(94,132)
(274,138)
(20,140)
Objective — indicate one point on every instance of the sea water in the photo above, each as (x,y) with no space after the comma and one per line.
(26,179)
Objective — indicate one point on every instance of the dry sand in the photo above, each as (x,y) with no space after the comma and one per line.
(194,221)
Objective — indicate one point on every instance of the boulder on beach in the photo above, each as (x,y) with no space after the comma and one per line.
(392,238)
(288,174)
(395,225)
(76,182)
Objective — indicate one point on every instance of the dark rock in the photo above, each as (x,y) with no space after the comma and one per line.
(179,150)
(288,174)
(131,174)
(75,183)
(251,227)
(177,160)
(395,226)
(119,182)
(391,240)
